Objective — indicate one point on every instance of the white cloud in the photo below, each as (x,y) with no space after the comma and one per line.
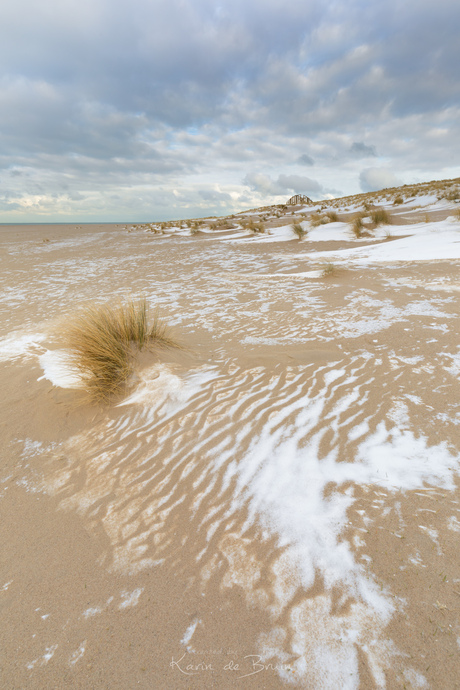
(373,179)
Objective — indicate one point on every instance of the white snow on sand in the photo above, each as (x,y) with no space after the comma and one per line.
(57,368)
(424,243)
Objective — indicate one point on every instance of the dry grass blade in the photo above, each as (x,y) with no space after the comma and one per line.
(100,340)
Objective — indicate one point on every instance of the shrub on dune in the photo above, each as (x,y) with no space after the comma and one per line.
(101,340)
(298,230)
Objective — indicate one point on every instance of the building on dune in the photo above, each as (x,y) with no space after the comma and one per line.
(299,199)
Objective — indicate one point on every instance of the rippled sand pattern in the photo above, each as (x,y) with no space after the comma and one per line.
(303,450)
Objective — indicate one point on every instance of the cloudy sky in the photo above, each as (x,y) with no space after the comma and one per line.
(137,110)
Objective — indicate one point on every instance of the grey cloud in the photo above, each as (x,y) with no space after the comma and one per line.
(212,195)
(304,159)
(298,183)
(361,150)
(263,184)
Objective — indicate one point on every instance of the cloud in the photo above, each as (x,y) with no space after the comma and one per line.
(360,150)
(304,159)
(264,184)
(113,99)
(299,184)
(214,195)
(373,179)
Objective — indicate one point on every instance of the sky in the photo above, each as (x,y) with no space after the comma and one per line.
(144,110)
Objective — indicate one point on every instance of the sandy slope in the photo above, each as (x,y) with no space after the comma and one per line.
(278,503)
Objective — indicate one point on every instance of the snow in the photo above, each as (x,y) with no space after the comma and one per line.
(423,242)
(57,368)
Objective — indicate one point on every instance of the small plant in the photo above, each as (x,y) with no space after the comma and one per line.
(328,270)
(357,226)
(255,227)
(298,230)
(317,219)
(398,200)
(380,217)
(100,339)
(388,235)
(333,217)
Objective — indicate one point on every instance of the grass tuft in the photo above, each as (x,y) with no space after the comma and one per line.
(316,219)
(101,339)
(255,227)
(298,230)
(380,217)
(357,226)
(328,270)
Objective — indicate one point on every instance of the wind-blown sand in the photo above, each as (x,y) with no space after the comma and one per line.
(275,505)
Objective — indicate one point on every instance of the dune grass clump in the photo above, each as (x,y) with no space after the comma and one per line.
(102,340)
(298,230)
(357,226)
(398,200)
(333,217)
(328,270)
(255,227)
(380,217)
(316,219)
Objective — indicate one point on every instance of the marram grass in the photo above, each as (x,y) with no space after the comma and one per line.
(298,230)
(102,339)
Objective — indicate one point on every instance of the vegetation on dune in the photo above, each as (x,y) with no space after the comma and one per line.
(317,219)
(102,339)
(298,230)
(357,226)
(380,217)
(328,270)
(255,227)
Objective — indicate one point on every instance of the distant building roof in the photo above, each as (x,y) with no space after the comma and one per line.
(299,199)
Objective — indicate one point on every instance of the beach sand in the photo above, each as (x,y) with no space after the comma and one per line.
(276,504)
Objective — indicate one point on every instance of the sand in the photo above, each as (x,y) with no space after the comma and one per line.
(274,505)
